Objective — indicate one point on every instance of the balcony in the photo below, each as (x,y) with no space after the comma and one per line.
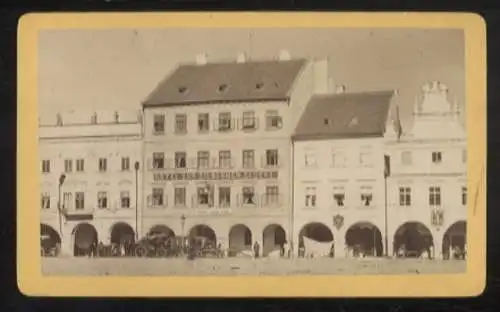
(209,204)
(212,163)
(78,214)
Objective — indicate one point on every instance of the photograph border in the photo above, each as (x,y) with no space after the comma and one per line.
(29,275)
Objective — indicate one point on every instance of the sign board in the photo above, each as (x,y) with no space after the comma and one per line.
(217,175)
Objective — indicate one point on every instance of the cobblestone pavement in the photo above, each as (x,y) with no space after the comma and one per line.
(237,266)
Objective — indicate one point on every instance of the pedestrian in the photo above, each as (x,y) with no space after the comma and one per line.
(285,249)
(256,248)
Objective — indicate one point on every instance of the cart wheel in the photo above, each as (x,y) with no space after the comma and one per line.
(141,251)
(161,252)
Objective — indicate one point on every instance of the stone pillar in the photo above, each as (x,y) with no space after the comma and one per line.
(340,244)
(438,244)
(66,246)
(390,245)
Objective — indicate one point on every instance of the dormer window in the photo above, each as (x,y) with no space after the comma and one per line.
(326,121)
(276,84)
(259,86)
(223,87)
(437,157)
(183,90)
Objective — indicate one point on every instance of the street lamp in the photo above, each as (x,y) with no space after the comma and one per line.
(62,177)
(183,221)
(136,167)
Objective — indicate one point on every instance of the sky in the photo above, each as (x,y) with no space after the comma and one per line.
(116,69)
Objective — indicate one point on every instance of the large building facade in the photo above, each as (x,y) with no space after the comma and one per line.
(87,169)
(217,149)
(427,185)
(339,173)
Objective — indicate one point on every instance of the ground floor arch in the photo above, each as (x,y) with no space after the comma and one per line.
(240,239)
(50,240)
(161,229)
(413,239)
(273,238)
(85,239)
(455,241)
(310,235)
(122,233)
(202,230)
(364,239)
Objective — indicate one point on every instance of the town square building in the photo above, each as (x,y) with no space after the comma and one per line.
(87,166)
(427,185)
(217,148)
(338,155)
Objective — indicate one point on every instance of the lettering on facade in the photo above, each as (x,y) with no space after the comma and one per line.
(228,175)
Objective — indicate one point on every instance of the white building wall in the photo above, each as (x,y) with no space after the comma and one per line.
(90,142)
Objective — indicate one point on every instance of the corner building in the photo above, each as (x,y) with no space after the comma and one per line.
(427,187)
(217,148)
(87,166)
(338,151)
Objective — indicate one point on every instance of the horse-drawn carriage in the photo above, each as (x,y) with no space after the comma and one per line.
(159,245)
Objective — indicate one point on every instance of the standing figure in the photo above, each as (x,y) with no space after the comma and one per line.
(256,249)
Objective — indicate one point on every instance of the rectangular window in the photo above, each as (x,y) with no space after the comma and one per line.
(180,196)
(180,160)
(273,120)
(338,159)
(405,196)
(203,159)
(79,200)
(310,159)
(68,165)
(125,199)
(272,158)
(102,200)
(272,195)
(125,164)
(464,195)
(180,123)
(45,201)
(225,159)
(248,159)
(366,195)
(46,166)
(80,165)
(224,121)
(249,121)
(406,158)
(158,160)
(366,159)
(203,195)
(248,194)
(436,157)
(103,164)
(339,196)
(158,197)
(310,196)
(159,124)
(435,196)
(224,197)
(203,122)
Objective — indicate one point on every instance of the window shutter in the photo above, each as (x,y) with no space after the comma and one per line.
(256,121)
(150,201)
(216,124)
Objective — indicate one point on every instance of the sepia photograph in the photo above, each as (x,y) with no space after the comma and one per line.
(252,151)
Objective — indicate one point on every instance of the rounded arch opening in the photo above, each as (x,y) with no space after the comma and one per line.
(50,240)
(84,239)
(455,241)
(202,230)
(364,239)
(240,239)
(161,229)
(122,233)
(310,235)
(273,239)
(413,239)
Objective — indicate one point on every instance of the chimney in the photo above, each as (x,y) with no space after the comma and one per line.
(340,89)
(201,59)
(242,58)
(284,55)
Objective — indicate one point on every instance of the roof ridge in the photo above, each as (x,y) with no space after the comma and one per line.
(370,92)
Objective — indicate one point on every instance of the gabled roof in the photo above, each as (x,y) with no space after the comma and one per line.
(347,115)
(223,82)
